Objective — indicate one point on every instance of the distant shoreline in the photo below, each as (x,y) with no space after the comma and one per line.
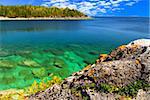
(45,18)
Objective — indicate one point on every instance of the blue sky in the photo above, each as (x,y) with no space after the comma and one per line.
(93,7)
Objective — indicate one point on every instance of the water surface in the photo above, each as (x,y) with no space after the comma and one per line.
(35,50)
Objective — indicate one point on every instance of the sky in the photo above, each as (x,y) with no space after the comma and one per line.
(93,7)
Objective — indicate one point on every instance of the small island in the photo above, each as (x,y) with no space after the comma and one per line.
(28,12)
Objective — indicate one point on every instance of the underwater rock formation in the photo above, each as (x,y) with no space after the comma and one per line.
(123,73)
(29,63)
(7,64)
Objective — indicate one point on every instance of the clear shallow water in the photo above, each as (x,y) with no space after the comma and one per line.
(33,50)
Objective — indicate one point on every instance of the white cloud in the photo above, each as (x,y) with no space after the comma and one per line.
(130,3)
(114,9)
(102,10)
(91,7)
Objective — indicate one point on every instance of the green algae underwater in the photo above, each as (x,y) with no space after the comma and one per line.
(37,50)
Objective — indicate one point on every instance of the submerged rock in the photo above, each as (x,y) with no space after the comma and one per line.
(58,62)
(5,54)
(7,64)
(118,75)
(39,73)
(94,52)
(29,63)
(25,72)
(8,79)
(54,51)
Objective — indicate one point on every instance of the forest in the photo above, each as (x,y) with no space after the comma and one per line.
(27,11)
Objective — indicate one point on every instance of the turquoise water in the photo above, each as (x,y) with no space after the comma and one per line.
(36,50)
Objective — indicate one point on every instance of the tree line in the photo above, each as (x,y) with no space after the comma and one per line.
(28,11)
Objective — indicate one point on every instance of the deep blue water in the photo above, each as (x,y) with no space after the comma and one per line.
(110,30)
(73,44)
(99,30)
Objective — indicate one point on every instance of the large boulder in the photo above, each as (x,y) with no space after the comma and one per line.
(124,70)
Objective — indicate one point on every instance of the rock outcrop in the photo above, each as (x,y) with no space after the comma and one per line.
(123,73)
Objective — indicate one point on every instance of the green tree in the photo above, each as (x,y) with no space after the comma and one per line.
(38,11)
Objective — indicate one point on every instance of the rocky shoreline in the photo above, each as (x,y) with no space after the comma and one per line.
(122,74)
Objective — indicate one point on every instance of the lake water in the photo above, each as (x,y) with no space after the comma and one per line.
(36,50)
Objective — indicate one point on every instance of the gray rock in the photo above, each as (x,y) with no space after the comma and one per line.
(120,68)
